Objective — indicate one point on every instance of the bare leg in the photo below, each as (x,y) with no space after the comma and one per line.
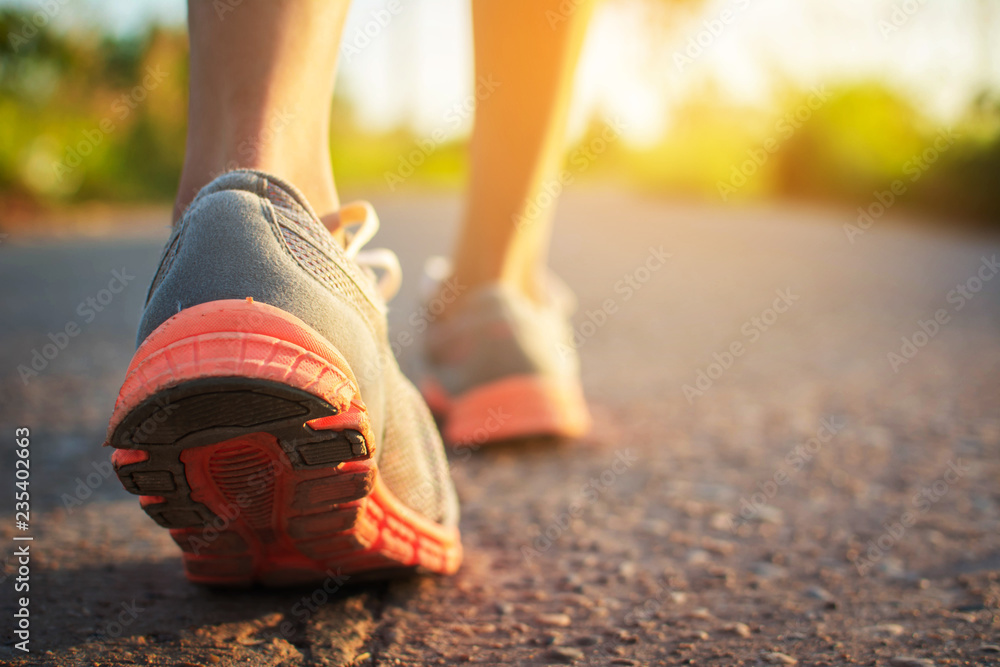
(262,78)
(530,49)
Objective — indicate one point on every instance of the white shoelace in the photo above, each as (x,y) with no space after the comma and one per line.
(362,213)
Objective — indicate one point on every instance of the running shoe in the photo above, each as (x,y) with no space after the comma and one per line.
(263,419)
(501,366)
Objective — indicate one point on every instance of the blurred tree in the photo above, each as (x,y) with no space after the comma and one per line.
(88,116)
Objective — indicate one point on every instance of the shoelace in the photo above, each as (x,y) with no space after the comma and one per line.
(363,214)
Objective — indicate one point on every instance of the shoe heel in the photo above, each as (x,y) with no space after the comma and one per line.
(246,436)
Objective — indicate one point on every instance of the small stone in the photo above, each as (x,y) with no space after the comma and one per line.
(626,637)
(588,640)
(721,521)
(768,570)
(697,634)
(698,557)
(505,608)
(700,613)
(818,593)
(910,661)
(887,630)
(738,629)
(770,514)
(693,508)
(989,648)
(656,527)
(565,654)
(892,567)
(775,658)
(554,620)
(718,547)
(626,570)
(678,597)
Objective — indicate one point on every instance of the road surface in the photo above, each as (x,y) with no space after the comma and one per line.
(795,458)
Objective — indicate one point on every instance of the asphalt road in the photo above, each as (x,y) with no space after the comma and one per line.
(775,474)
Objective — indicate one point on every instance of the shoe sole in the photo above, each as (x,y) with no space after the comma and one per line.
(515,407)
(245,435)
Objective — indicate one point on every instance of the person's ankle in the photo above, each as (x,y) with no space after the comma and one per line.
(453,292)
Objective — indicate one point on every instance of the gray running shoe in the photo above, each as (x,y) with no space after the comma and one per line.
(263,419)
(503,366)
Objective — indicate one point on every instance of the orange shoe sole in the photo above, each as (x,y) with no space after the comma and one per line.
(245,435)
(519,406)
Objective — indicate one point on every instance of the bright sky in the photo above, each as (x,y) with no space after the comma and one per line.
(941,52)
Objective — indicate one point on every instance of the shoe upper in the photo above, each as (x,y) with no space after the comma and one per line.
(497,332)
(248,234)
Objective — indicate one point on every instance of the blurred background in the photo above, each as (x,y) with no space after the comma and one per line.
(808,100)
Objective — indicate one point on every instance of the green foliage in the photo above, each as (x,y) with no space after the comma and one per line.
(85,116)
(859,140)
